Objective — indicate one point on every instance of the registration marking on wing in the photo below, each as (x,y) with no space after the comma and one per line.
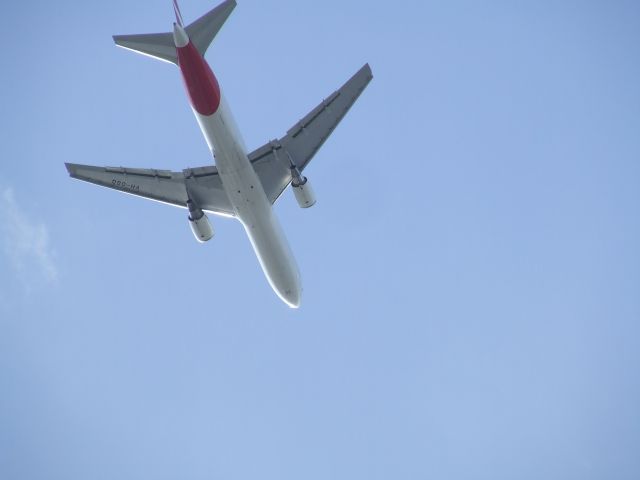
(122,185)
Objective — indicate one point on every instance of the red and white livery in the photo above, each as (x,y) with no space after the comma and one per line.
(241,184)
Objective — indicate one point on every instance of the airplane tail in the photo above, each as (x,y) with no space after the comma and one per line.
(161,45)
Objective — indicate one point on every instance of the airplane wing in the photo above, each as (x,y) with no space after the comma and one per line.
(202,185)
(272,161)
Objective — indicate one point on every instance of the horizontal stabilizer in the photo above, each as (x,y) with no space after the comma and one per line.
(204,30)
(157,45)
(161,45)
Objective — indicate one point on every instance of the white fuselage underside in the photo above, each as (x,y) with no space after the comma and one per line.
(253,209)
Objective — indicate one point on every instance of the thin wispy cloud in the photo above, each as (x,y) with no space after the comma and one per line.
(25,243)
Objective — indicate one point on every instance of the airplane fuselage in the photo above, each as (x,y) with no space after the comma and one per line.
(242,185)
(239,179)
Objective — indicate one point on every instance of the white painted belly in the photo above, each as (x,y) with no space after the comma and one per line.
(253,209)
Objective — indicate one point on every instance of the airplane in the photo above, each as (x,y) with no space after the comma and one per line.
(241,184)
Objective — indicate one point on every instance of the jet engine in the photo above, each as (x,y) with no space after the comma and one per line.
(200,226)
(302,189)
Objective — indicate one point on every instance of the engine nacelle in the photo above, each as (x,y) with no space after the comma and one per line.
(200,226)
(302,189)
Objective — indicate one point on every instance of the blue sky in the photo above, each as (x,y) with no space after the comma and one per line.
(471,270)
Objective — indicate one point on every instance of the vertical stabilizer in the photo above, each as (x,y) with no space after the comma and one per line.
(176,10)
